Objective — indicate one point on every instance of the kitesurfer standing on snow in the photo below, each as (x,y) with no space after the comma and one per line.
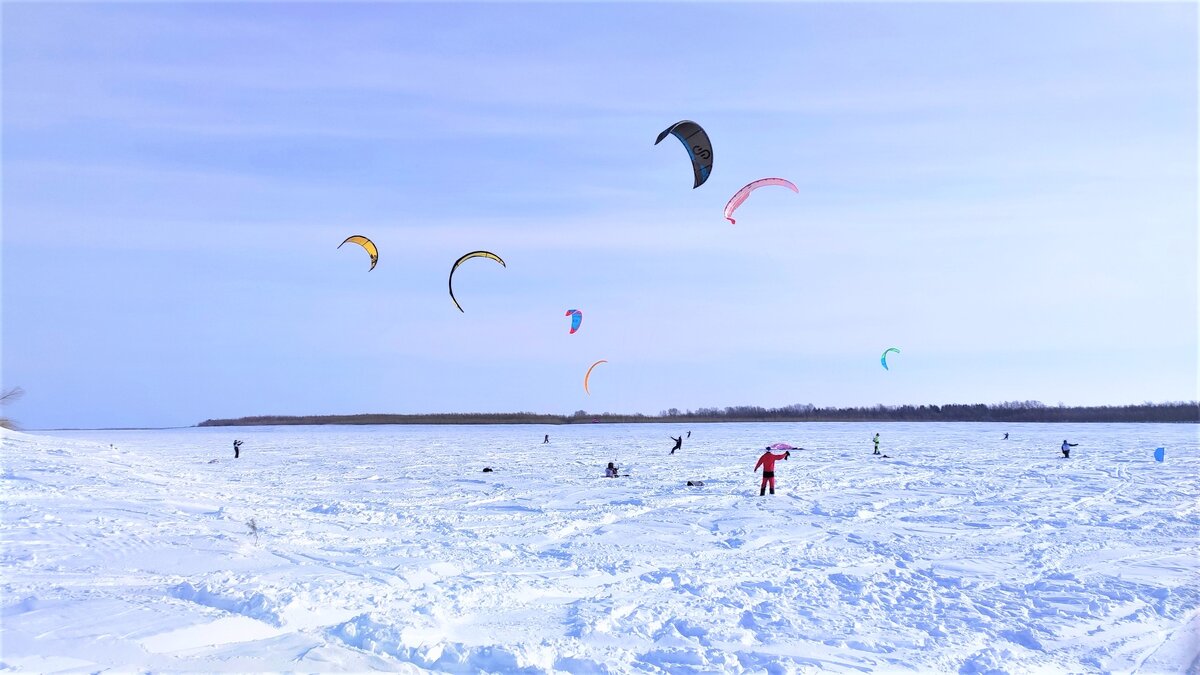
(876,444)
(611,471)
(678,444)
(1066,448)
(1006,435)
(767,462)
(546,439)
(237,446)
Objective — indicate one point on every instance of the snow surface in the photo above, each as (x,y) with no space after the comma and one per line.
(388,548)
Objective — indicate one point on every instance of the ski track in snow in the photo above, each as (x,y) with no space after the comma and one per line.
(386,548)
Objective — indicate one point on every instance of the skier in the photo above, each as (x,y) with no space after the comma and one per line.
(237,446)
(767,462)
(876,444)
(1066,448)
(678,444)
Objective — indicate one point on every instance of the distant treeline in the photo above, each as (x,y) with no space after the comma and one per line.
(1012,411)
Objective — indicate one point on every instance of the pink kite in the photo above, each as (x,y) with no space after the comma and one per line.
(783,446)
(741,195)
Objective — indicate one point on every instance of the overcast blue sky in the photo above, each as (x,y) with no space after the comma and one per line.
(1005,192)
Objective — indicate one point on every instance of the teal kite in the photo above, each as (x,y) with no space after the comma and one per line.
(883,359)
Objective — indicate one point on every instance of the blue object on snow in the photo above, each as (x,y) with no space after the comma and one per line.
(1158,454)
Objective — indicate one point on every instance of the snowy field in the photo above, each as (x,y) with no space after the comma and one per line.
(387,548)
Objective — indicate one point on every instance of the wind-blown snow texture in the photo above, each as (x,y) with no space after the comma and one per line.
(387,548)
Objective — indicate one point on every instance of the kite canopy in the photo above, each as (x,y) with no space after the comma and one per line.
(589,374)
(699,148)
(472,254)
(741,195)
(783,446)
(576,319)
(883,359)
(1159,454)
(365,243)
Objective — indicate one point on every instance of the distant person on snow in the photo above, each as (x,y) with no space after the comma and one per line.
(546,439)
(876,444)
(678,444)
(767,462)
(1006,435)
(237,446)
(611,471)
(689,434)
(1066,448)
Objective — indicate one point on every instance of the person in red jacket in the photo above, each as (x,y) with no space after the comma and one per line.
(767,462)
